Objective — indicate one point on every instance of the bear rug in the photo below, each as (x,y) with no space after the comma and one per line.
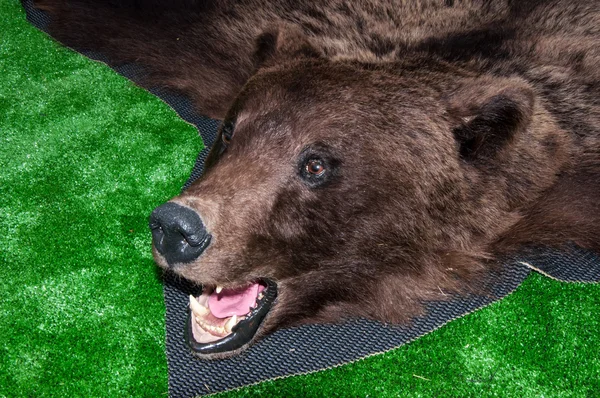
(315,347)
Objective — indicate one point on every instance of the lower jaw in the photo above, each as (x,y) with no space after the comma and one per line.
(241,336)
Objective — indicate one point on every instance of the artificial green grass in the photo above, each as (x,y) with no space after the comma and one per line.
(84,158)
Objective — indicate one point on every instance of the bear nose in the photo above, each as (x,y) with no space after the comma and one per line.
(178,233)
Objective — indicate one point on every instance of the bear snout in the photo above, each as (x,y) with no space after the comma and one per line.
(178,233)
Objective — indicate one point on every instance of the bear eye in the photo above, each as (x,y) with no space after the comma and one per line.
(226,139)
(318,166)
(315,167)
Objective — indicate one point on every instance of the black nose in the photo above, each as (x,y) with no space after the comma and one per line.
(178,233)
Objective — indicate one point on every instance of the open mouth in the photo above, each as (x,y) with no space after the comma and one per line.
(226,319)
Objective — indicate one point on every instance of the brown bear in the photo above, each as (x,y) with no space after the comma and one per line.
(373,154)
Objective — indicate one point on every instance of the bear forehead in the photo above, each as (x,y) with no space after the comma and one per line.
(312,101)
(336,86)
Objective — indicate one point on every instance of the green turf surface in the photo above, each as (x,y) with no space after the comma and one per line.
(84,158)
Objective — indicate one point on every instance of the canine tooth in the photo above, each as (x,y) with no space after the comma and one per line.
(197,308)
(218,289)
(230,323)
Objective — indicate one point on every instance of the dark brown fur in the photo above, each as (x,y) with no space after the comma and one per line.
(456,132)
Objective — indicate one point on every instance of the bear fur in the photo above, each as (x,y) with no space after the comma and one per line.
(452,133)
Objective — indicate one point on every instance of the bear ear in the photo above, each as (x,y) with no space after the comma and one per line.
(283,42)
(487,115)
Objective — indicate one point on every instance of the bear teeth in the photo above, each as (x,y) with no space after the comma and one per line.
(214,330)
(230,323)
(219,331)
(200,312)
(197,308)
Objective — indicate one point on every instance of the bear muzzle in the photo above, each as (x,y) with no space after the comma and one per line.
(178,233)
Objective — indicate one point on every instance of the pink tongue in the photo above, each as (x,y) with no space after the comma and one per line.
(234,301)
